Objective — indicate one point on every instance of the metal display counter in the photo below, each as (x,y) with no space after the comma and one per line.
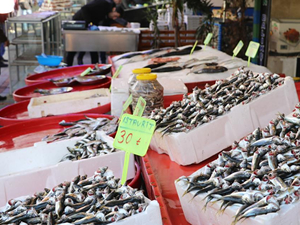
(113,41)
(31,35)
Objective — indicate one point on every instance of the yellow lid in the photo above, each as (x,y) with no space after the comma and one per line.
(146,76)
(296,78)
(141,70)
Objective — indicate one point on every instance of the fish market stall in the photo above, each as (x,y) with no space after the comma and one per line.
(255,182)
(182,65)
(64,151)
(97,198)
(208,120)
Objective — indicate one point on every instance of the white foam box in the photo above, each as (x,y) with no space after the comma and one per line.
(27,170)
(67,102)
(194,212)
(151,216)
(208,139)
(278,41)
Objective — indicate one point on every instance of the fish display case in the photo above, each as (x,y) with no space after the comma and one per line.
(31,35)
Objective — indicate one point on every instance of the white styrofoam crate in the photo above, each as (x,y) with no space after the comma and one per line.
(193,209)
(27,170)
(208,139)
(68,102)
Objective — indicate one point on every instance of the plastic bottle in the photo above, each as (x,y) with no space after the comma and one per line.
(150,89)
(132,78)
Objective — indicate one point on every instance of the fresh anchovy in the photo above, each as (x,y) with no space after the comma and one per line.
(99,205)
(270,179)
(84,128)
(205,105)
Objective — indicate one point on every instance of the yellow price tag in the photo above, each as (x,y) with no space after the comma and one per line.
(126,104)
(207,39)
(116,74)
(140,107)
(133,136)
(238,48)
(252,50)
(86,72)
(194,47)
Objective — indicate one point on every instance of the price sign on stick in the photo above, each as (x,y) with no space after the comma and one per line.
(207,39)
(140,107)
(85,72)
(126,104)
(194,47)
(116,74)
(133,136)
(252,50)
(238,48)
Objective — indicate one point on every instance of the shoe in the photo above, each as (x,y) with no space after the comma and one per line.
(79,61)
(2,98)
(3,60)
(2,64)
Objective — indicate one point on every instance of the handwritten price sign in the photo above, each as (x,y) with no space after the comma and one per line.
(252,50)
(133,136)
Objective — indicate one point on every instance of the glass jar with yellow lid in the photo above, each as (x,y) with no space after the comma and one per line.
(150,89)
(132,78)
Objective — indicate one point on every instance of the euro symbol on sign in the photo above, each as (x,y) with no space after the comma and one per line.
(138,141)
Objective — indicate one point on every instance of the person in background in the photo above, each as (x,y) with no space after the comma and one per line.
(3,39)
(94,12)
(6,8)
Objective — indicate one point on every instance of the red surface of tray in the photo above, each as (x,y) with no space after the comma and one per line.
(25,134)
(27,92)
(17,112)
(159,174)
(58,73)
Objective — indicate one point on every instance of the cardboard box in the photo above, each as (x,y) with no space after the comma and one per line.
(208,139)
(68,102)
(285,35)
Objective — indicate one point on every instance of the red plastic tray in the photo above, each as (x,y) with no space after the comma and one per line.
(159,174)
(27,92)
(17,112)
(58,73)
(25,134)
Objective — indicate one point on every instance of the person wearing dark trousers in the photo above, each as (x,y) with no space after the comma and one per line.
(94,12)
(5,42)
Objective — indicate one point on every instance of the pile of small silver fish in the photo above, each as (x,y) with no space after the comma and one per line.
(89,146)
(259,174)
(205,105)
(84,127)
(99,199)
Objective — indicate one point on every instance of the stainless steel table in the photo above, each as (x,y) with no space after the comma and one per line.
(93,41)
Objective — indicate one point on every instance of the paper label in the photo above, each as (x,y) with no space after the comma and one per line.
(238,48)
(134,134)
(86,72)
(208,38)
(252,49)
(194,47)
